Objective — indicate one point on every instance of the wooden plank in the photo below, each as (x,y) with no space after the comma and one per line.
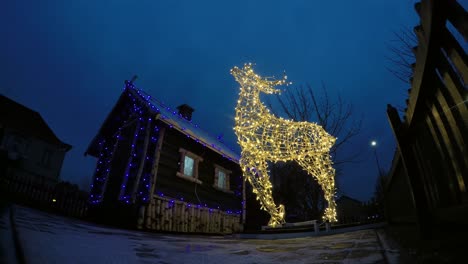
(165,220)
(205,221)
(424,157)
(458,16)
(192,219)
(448,180)
(447,142)
(432,19)
(454,91)
(159,212)
(148,215)
(187,211)
(171,217)
(456,54)
(455,131)
(178,216)
(153,215)
(403,138)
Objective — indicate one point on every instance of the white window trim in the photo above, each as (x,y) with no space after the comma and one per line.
(227,182)
(196,160)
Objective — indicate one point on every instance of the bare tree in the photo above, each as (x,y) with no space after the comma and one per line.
(402,55)
(300,193)
(335,115)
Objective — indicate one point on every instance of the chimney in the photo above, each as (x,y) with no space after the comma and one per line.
(186,111)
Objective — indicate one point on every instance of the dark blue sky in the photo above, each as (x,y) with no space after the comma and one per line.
(68,60)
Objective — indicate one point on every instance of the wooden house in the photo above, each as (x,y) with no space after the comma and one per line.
(30,151)
(158,170)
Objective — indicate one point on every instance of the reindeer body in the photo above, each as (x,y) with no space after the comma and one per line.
(264,137)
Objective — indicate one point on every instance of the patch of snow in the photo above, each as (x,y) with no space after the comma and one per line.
(49,238)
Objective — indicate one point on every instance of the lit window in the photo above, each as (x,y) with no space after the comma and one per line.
(221,179)
(189,166)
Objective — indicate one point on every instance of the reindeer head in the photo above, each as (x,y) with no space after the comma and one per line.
(247,78)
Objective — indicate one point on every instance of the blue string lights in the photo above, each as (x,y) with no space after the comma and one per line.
(131,168)
(198,206)
(144,185)
(102,169)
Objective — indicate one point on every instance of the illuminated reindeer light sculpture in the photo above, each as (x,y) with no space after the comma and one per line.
(264,137)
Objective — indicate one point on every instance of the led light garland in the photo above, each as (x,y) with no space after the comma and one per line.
(144,185)
(131,190)
(198,206)
(264,137)
(131,168)
(102,170)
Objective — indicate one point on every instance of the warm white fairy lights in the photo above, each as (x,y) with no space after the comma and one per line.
(264,137)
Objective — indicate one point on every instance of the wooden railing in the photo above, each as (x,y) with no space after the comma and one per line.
(164,214)
(433,135)
(62,198)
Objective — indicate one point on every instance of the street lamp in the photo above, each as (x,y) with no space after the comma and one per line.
(380,184)
(374,146)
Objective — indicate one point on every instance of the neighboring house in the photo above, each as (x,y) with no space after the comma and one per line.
(30,149)
(350,210)
(158,170)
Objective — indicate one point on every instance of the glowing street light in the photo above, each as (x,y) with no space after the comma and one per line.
(373,144)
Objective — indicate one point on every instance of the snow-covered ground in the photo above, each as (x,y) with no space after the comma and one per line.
(47,238)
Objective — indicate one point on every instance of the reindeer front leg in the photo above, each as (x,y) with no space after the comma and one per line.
(256,172)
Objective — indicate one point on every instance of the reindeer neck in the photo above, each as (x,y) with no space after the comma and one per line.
(252,101)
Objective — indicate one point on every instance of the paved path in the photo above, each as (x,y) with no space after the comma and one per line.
(47,238)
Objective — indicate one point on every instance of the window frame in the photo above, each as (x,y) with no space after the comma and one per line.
(227,182)
(196,160)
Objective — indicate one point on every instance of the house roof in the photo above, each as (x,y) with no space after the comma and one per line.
(171,117)
(27,122)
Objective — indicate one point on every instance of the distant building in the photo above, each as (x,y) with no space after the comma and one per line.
(158,170)
(29,149)
(350,210)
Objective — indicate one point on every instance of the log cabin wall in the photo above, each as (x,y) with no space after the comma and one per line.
(166,214)
(183,205)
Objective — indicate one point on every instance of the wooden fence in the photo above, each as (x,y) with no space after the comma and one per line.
(41,193)
(433,135)
(164,214)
